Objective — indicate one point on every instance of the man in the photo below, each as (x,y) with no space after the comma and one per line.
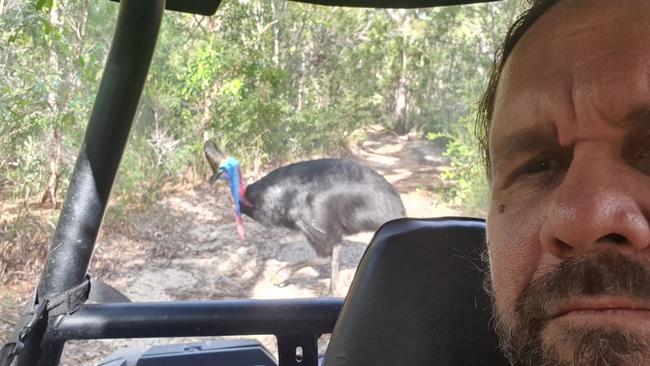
(567,137)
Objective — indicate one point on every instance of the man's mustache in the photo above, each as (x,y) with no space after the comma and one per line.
(608,273)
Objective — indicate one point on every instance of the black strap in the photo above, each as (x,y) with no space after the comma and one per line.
(11,349)
(64,303)
(68,301)
(7,353)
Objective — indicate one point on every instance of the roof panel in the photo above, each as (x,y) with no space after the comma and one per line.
(209,7)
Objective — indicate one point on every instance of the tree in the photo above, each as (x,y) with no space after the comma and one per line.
(270,79)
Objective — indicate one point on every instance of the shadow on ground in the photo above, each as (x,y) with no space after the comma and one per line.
(186,247)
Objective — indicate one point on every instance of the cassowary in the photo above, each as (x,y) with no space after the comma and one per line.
(324,199)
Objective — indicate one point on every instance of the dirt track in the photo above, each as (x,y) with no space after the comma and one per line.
(186,246)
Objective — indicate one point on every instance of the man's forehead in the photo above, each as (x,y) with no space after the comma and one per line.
(571,37)
(583,50)
(571,18)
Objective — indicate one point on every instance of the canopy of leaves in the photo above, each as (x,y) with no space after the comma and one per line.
(271,80)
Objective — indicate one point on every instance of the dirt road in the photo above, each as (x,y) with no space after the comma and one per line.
(186,246)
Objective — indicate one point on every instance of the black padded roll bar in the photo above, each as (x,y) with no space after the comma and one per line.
(209,7)
(94,173)
(201,318)
(200,7)
(393,4)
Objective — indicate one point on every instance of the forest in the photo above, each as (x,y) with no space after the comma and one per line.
(273,81)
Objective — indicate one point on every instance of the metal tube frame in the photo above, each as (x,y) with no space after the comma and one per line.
(200,318)
(106,135)
(295,323)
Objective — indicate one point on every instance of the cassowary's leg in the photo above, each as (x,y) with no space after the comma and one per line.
(335,265)
(285,273)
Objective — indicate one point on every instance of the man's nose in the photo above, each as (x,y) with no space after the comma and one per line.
(600,204)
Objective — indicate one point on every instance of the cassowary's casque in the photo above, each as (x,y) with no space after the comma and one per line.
(324,199)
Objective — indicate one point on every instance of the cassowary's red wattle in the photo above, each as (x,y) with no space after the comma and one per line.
(242,189)
(240,228)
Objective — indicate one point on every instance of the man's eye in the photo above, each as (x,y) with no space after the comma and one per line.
(544,169)
(537,166)
(541,169)
(643,159)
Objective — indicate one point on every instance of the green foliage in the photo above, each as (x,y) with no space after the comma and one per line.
(465,180)
(46,86)
(270,80)
(23,173)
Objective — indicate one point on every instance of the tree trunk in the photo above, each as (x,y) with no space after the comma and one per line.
(401,101)
(52,100)
(55,171)
(306,54)
(78,45)
(276,35)
(209,96)
(211,92)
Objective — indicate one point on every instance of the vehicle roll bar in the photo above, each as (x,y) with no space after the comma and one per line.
(117,99)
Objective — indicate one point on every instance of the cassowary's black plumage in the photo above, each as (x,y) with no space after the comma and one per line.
(324,199)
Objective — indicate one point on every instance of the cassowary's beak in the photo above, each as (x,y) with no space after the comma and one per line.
(215,176)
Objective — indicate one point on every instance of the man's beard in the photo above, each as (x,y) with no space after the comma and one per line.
(607,274)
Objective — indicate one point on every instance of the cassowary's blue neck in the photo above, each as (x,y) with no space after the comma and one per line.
(230,166)
(238,191)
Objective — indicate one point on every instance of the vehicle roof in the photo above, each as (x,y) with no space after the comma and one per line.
(209,7)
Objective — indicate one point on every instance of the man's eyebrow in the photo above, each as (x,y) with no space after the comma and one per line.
(527,140)
(520,142)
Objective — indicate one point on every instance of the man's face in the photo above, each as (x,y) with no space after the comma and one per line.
(569,221)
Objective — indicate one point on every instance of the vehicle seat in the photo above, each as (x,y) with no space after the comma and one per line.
(417,299)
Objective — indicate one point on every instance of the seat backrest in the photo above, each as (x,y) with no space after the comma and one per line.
(417,299)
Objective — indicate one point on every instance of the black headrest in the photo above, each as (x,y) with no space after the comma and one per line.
(417,299)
